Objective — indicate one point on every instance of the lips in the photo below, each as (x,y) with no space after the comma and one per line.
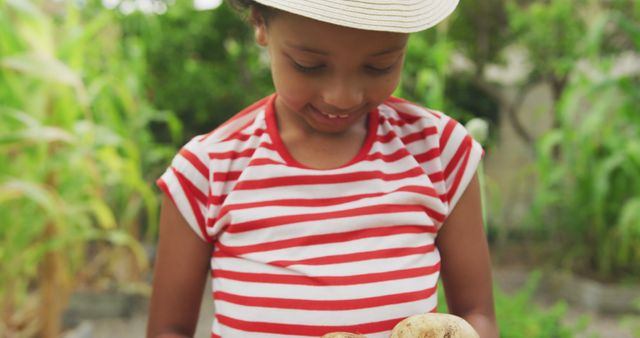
(331,116)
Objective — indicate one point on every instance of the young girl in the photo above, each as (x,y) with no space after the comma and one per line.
(329,205)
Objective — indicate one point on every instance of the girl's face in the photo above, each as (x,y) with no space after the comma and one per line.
(329,77)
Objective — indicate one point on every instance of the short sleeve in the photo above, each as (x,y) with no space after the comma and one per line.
(186,183)
(460,155)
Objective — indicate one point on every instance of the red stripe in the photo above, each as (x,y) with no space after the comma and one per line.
(226,176)
(217,199)
(263,161)
(436,177)
(163,186)
(238,131)
(462,150)
(195,162)
(428,155)
(189,188)
(379,209)
(240,136)
(267,145)
(420,135)
(459,175)
(446,133)
(394,122)
(386,138)
(358,256)
(325,305)
(232,154)
(410,118)
(195,208)
(305,330)
(327,179)
(339,237)
(271,278)
(395,156)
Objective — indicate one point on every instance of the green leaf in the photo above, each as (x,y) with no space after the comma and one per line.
(42,67)
(103,214)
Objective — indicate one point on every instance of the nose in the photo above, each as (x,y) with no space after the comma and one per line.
(343,94)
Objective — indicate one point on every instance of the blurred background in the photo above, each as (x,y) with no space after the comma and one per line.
(97,96)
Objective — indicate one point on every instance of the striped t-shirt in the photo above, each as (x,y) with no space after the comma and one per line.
(300,252)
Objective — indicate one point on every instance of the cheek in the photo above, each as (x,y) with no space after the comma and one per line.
(380,90)
(293,88)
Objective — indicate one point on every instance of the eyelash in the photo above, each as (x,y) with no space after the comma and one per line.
(304,69)
(370,69)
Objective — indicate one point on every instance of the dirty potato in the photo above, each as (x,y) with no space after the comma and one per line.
(434,325)
(343,335)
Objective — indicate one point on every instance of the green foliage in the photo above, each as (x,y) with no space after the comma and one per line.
(203,65)
(551,31)
(519,315)
(426,69)
(588,193)
(76,151)
(479,31)
(429,80)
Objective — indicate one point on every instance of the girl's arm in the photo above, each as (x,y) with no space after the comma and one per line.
(466,267)
(181,268)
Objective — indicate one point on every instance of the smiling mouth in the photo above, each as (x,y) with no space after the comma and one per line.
(332,116)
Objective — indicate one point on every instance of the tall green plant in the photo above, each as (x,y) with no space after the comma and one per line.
(589,194)
(75,151)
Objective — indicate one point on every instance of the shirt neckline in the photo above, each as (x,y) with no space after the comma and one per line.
(274,134)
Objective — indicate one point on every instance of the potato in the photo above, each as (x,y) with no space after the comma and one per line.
(434,325)
(343,335)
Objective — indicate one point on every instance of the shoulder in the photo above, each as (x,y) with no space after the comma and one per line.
(224,142)
(243,121)
(234,132)
(407,117)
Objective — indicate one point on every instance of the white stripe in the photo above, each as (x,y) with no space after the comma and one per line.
(340,248)
(193,175)
(181,201)
(319,227)
(257,289)
(331,270)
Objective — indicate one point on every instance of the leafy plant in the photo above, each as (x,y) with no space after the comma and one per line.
(519,315)
(76,155)
(588,194)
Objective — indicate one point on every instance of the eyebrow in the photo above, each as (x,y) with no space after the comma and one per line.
(321,52)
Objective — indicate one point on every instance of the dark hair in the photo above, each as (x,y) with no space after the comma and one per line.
(244,6)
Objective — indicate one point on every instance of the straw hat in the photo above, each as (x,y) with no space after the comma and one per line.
(402,16)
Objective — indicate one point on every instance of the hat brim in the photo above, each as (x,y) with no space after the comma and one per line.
(406,16)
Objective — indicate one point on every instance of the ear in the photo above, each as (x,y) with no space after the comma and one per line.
(260,27)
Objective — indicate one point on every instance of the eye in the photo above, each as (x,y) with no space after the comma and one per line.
(379,70)
(307,69)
